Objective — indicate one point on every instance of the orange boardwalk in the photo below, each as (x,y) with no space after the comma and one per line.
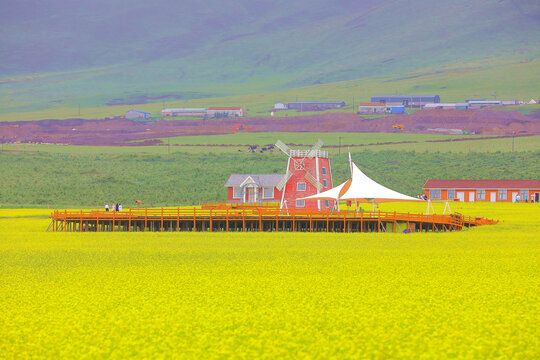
(256,219)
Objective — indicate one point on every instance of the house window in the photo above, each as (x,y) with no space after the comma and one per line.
(325,183)
(451,194)
(435,194)
(300,203)
(326,203)
(480,194)
(237,193)
(502,194)
(268,193)
(324,170)
(301,186)
(524,195)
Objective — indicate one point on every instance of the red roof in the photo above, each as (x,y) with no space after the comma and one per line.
(482,184)
(224,108)
(372,104)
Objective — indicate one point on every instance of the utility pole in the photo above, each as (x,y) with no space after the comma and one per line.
(513,135)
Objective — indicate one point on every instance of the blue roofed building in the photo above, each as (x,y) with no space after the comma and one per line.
(137,114)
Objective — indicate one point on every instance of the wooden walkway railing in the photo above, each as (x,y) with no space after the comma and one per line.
(256,219)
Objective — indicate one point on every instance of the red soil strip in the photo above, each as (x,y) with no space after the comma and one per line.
(123,132)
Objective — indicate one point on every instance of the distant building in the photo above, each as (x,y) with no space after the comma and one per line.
(253,188)
(373,108)
(479,104)
(184,112)
(406,100)
(439,106)
(447,106)
(225,111)
(137,114)
(510,102)
(280,106)
(315,105)
(397,109)
(483,190)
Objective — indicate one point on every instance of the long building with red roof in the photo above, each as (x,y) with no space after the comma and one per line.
(483,190)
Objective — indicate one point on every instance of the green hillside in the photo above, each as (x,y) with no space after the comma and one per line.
(57,55)
(511,79)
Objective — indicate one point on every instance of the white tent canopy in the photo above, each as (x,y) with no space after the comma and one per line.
(332,194)
(361,188)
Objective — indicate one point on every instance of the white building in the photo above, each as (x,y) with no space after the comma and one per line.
(137,114)
(184,112)
(373,108)
(225,111)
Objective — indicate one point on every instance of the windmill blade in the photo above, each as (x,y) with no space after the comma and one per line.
(314,181)
(281,146)
(315,148)
(311,178)
(284,180)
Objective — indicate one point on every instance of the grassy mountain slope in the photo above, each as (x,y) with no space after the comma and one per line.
(57,54)
(482,79)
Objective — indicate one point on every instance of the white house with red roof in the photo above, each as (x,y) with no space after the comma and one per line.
(483,190)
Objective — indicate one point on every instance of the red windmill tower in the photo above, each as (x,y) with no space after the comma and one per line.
(308,173)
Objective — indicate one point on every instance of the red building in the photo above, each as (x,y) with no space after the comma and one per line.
(308,173)
(483,190)
(253,188)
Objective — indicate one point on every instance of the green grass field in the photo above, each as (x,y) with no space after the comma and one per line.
(469,294)
(524,109)
(188,178)
(363,141)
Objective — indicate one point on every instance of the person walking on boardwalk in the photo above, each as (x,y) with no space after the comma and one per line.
(106,207)
(120,207)
(116,206)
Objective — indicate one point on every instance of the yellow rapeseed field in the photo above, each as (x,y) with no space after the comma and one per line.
(470,294)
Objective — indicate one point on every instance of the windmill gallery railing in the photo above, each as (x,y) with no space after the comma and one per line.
(256,219)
